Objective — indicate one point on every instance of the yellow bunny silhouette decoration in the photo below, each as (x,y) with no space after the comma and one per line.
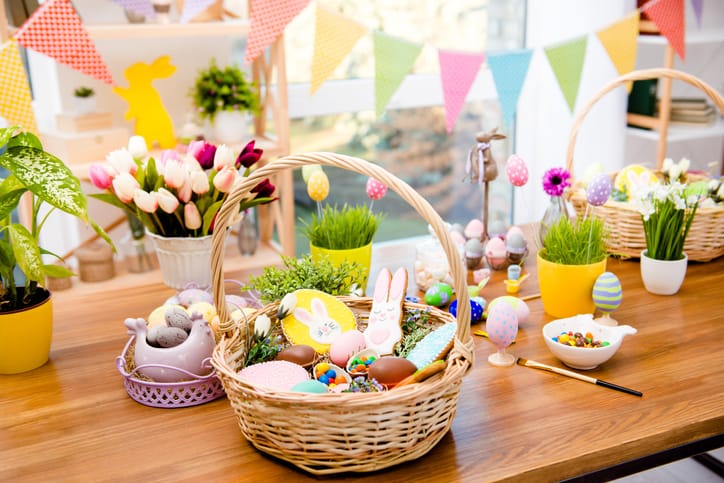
(144,102)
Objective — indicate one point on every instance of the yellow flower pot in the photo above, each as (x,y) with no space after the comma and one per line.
(361,255)
(25,337)
(567,290)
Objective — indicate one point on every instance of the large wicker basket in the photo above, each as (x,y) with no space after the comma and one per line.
(623,222)
(346,432)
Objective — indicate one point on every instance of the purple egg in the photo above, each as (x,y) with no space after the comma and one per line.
(599,189)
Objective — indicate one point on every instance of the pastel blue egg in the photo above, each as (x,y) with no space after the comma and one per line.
(476,310)
(607,292)
(310,385)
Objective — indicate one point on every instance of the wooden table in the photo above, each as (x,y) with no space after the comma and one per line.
(71,420)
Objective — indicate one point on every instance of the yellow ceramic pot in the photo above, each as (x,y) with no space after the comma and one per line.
(361,255)
(25,337)
(567,290)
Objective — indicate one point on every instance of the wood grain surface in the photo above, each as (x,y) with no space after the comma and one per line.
(71,420)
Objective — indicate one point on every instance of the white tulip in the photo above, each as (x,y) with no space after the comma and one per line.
(137,147)
(262,326)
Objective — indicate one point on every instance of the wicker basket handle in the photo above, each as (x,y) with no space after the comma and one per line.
(633,76)
(243,187)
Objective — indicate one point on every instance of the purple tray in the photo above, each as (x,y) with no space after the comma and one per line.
(198,390)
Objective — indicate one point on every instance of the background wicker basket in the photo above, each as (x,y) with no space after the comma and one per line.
(346,432)
(623,222)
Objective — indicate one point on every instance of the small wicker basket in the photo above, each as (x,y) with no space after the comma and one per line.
(345,432)
(623,222)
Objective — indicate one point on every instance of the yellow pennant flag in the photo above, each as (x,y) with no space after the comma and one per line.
(334,37)
(15,98)
(620,41)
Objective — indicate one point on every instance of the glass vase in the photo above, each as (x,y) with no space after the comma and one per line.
(247,239)
(556,210)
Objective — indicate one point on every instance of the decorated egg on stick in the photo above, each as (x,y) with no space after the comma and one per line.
(607,297)
(501,326)
(516,170)
(375,189)
(599,189)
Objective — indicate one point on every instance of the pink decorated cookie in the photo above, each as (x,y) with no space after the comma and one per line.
(383,330)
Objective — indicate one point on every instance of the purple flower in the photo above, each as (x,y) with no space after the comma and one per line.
(555,181)
(264,189)
(203,152)
(249,155)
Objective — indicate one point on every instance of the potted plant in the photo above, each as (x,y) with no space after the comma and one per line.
(344,234)
(225,98)
(25,340)
(84,99)
(667,211)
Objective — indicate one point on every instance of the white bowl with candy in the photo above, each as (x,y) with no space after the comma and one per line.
(581,343)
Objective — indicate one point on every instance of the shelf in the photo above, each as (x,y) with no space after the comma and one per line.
(679,133)
(172,30)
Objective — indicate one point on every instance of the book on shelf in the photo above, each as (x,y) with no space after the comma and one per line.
(686,103)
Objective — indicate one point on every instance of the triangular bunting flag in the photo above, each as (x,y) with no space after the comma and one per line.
(140,7)
(697,4)
(334,38)
(567,63)
(268,19)
(394,58)
(668,15)
(15,97)
(509,71)
(457,73)
(620,41)
(56,31)
(192,8)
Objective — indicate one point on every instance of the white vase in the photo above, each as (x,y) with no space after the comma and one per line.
(229,127)
(84,105)
(663,277)
(184,260)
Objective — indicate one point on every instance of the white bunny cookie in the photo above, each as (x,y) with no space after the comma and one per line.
(383,330)
(322,328)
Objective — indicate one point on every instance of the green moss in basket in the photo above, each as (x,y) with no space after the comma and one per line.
(342,228)
(577,242)
(304,272)
(415,326)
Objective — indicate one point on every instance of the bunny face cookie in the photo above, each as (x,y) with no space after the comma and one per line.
(317,320)
(383,330)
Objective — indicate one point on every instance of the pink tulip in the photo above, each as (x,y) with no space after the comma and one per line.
(145,201)
(199,182)
(99,176)
(125,185)
(203,152)
(122,161)
(224,157)
(168,155)
(192,217)
(249,155)
(174,174)
(166,200)
(184,192)
(224,179)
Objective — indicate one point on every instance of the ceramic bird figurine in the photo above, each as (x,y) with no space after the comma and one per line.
(189,355)
(501,326)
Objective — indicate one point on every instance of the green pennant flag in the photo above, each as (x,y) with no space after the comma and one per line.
(393,60)
(567,63)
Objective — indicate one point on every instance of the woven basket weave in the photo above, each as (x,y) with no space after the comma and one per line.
(345,432)
(623,222)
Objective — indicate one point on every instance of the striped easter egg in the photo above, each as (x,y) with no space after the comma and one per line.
(607,292)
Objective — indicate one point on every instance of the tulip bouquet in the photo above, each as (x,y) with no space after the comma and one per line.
(180,195)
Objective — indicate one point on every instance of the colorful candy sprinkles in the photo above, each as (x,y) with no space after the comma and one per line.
(579,340)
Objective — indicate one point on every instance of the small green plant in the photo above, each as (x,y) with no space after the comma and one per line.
(415,326)
(83,92)
(226,89)
(342,228)
(579,242)
(275,282)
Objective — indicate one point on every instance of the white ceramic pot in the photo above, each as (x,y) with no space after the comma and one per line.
(84,105)
(663,277)
(229,127)
(184,260)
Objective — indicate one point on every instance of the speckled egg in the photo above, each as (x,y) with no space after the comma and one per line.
(178,317)
(476,311)
(206,309)
(157,315)
(438,294)
(345,346)
(190,296)
(474,229)
(607,293)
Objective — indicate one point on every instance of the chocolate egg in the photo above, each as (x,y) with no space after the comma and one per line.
(389,371)
(303,355)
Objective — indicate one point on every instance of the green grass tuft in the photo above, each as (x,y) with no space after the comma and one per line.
(342,228)
(580,242)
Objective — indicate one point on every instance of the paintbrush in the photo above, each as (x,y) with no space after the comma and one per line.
(482,333)
(575,375)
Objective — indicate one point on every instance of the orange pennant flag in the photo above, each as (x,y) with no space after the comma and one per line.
(55,29)
(15,98)
(334,38)
(668,15)
(620,41)
(268,20)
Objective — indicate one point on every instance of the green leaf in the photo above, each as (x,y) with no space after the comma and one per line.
(6,133)
(102,233)
(57,271)
(25,139)
(209,216)
(27,253)
(48,177)
(12,190)
(7,257)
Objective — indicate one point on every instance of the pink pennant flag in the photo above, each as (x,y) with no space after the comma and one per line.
(15,99)
(56,31)
(457,72)
(668,15)
(268,20)
(192,8)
